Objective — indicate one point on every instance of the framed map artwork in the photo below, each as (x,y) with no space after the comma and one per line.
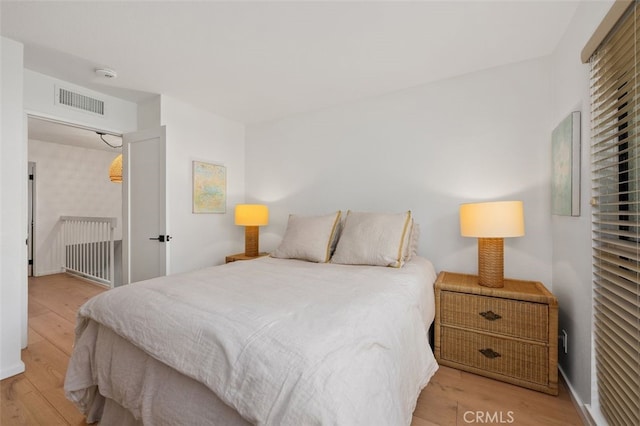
(209,188)
(565,173)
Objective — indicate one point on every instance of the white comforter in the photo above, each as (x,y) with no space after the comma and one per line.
(287,342)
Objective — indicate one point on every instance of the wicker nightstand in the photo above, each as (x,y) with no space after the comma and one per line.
(508,334)
(241,256)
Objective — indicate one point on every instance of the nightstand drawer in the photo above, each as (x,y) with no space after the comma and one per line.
(504,357)
(525,320)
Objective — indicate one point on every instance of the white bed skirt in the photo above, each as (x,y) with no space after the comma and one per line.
(134,385)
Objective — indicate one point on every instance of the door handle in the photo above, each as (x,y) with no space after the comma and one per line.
(162,238)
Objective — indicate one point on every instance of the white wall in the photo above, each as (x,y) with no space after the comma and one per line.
(149,113)
(39,99)
(70,181)
(483,136)
(571,236)
(201,240)
(13,220)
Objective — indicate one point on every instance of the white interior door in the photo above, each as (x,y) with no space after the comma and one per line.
(145,229)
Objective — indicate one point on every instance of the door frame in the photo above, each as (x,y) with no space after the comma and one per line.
(39,116)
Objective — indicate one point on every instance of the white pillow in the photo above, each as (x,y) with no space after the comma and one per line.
(378,239)
(308,238)
(411,243)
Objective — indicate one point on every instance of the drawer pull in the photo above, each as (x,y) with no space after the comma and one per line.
(490,316)
(489,353)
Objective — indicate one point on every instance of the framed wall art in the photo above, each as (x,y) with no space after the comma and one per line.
(209,188)
(565,174)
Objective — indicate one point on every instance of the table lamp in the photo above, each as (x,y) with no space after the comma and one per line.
(251,216)
(491,222)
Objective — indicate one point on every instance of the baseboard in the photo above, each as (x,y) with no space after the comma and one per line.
(583,409)
(88,280)
(594,415)
(17,368)
(43,273)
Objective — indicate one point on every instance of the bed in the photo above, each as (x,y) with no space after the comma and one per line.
(271,341)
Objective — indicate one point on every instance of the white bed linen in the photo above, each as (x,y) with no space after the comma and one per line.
(280,341)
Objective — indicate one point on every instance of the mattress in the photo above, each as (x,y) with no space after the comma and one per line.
(267,341)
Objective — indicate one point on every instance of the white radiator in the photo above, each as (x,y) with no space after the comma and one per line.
(89,247)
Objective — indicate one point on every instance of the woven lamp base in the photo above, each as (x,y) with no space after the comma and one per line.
(251,241)
(491,262)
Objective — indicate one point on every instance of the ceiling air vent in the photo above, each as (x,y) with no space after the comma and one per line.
(79,101)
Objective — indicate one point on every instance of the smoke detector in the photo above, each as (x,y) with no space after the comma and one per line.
(106,73)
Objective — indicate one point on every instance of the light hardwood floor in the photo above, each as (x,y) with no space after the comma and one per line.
(36,397)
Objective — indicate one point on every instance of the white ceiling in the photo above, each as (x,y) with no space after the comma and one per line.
(257,61)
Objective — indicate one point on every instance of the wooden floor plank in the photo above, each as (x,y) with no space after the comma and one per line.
(45,365)
(67,410)
(417,421)
(34,337)
(55,329)
(23,404)
(35,308)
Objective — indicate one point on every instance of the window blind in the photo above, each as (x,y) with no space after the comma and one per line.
(615,154)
